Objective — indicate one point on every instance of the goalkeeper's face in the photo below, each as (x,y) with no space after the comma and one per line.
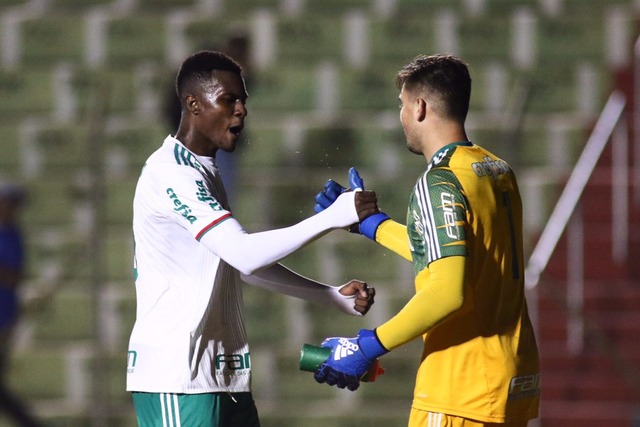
(221,113)
(408,106)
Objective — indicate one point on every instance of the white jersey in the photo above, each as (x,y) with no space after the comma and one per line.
(189,334)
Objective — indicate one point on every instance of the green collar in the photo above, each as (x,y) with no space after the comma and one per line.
(453,144)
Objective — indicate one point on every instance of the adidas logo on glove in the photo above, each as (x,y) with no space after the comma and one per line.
(344,349)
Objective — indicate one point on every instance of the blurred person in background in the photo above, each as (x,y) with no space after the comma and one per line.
(12,198)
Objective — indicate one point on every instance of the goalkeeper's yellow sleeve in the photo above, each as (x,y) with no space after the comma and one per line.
(393,236)
(440,292)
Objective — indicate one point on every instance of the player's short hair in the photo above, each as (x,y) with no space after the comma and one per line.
(444,79)
(196,70)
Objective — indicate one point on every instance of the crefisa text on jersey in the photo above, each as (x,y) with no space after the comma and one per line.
(180,207)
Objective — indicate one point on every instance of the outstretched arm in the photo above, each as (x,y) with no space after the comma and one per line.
(353,298)
(441,294)
(189,201)
(393,236)
(249,252)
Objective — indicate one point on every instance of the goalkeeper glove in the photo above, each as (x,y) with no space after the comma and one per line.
(350,359)
(332,190)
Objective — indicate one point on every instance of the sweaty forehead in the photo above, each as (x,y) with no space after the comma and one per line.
(224,82)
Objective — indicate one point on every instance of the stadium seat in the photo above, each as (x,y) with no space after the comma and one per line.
(11,159)
(242,10)
(369,91)
(12,3)
(132,40)
(504,8)
(265,313)
(330,146)
(155,6)
(208,32)
(549,97)
(336,8)
(314,112)
(571,7)
(51,149)
(309,42)
(24,93)
(119,202)
(76,6)
(118,255)
(69,316)
(483,39)
(51,39)
(52,201)
(128,144)
(287,89)
(39,374)
(569,38)
(290,201)
(394,42)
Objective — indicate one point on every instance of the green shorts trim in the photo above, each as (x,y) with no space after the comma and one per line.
(195,410)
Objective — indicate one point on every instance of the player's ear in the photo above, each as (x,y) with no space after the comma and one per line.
(193,105)
(421,109)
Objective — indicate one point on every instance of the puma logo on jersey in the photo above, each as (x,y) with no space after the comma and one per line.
(439,156)
(344,349)
(185,157)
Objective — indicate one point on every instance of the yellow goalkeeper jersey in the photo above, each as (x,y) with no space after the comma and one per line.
(480,362)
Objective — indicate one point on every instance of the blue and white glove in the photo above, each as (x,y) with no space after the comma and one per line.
(350,359)
(332,190)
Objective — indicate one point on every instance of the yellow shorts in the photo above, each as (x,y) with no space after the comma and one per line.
(419,418)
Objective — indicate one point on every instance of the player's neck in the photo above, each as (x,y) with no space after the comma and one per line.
(442,136)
